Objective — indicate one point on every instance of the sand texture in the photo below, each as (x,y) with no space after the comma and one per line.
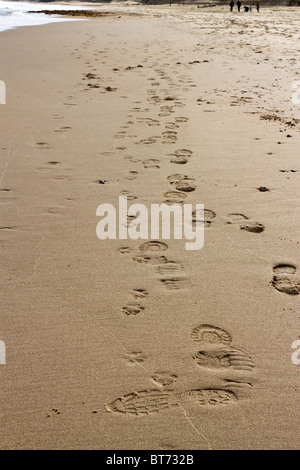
(141,344)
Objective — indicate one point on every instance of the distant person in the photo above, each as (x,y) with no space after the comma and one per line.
(239,5)
(246,8)
(257,7)
(250,8)
(231,5)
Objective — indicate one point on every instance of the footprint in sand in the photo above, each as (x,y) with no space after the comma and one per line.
(63,129)
(208,214)
(120,135)
(124,250)
(179,159)
(171,125)
(168,267)
(236,218)
(133,309)
(175,178)
(149,141)
(107,154)
(253,227)
(151,260)
(224,358)
(184,183)
(42,145)
(181,156)
(139,293)
(128,194)
(130,221)
(131,159)
(241,220)
(57,117)
(181,119)
(153,246)
(209,334)
(109,89)
(145,402)
(62,178)
(284,279)
(135,357)
(174,197)
(217,354)
(132,175)
(169,137)
(164,379)
(56,210)
(149,121)
(151,163)
(175,283)
(6,228)
(53,163)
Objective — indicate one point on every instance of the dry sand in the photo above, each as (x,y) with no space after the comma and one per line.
(114,346)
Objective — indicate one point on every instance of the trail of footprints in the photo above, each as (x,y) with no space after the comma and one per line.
(171,274)
(216,354)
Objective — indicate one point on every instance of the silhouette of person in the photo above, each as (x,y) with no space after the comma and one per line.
(231,5)
(239,5)
(257,6)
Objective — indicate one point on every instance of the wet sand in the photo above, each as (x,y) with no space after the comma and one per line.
(124,344)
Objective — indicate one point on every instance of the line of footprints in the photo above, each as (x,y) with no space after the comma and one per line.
(215,354)
(171,274)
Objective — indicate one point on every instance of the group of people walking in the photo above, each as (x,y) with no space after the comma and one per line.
(239,4)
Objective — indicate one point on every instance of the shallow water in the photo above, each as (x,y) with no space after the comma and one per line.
(14,14)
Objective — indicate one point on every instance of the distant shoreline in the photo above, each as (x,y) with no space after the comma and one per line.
(286,3)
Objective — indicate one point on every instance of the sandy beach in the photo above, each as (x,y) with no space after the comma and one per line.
(136,344)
